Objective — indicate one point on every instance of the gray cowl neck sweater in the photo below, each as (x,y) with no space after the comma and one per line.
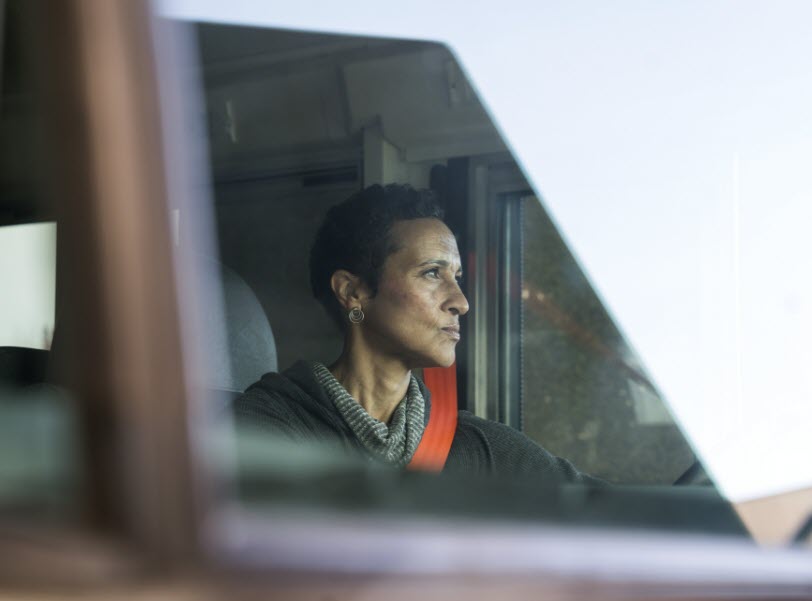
(394,443)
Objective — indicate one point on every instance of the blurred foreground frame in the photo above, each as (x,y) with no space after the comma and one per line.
(98,85)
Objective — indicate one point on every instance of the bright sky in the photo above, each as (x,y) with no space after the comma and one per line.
(672,143)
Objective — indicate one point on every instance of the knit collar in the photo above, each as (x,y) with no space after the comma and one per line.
(394,443)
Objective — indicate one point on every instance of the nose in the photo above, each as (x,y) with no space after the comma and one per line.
(457,304)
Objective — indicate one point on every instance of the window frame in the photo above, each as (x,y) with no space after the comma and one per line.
(493,379)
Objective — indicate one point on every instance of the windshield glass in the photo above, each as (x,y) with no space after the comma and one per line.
(394,299)
(655,158)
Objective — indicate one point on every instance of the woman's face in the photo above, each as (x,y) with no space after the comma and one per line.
(414,317)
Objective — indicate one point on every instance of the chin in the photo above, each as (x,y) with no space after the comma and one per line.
(440,360)
(448,362)
(434,356)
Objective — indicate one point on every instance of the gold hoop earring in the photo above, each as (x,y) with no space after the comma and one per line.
(356,315)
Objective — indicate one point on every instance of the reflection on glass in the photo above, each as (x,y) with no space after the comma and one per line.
(585,393)
(28,270)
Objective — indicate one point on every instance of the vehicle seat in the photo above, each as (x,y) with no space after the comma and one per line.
(248,349)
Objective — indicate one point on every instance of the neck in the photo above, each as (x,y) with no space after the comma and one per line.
(376,382)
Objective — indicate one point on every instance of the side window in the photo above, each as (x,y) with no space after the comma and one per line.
(544,355)
(585,393)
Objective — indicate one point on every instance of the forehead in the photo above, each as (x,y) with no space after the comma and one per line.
(424,239)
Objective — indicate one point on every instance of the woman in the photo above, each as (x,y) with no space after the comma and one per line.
(387,269)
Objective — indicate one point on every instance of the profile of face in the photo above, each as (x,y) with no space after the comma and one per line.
(415,315)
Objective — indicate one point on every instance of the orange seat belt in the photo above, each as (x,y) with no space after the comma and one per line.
(433,449)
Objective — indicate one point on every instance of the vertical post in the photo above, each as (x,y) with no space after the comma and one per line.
(509,294)
(117,284)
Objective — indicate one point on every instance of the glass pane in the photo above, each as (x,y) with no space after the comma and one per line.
(586,394)
(297,124)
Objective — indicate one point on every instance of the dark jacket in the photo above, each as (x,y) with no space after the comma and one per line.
(295,405)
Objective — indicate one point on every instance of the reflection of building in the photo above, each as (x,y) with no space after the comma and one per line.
(28,284)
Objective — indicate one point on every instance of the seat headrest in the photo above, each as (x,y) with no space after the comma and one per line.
(249,348)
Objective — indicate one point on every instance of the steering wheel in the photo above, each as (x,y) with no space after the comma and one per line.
(695,475)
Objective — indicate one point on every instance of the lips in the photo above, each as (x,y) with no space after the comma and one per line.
(453,331)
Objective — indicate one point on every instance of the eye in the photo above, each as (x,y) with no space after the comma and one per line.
(433,273)
(458,277)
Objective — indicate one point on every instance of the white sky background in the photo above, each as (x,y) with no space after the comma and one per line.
(672,144)
(27,284)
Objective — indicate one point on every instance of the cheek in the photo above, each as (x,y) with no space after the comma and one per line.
(396,295)
(421,308)
(411,305)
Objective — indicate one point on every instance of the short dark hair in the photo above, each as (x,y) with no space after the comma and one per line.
(355,236)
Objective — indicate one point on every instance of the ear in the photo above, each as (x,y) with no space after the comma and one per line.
(349,289)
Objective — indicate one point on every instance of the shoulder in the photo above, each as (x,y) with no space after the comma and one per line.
(494,438)
(508,452)
(494,433)
(273,396)
(467,419)
(295,384)
(291,399)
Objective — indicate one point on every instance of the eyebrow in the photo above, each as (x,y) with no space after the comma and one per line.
(440,262)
